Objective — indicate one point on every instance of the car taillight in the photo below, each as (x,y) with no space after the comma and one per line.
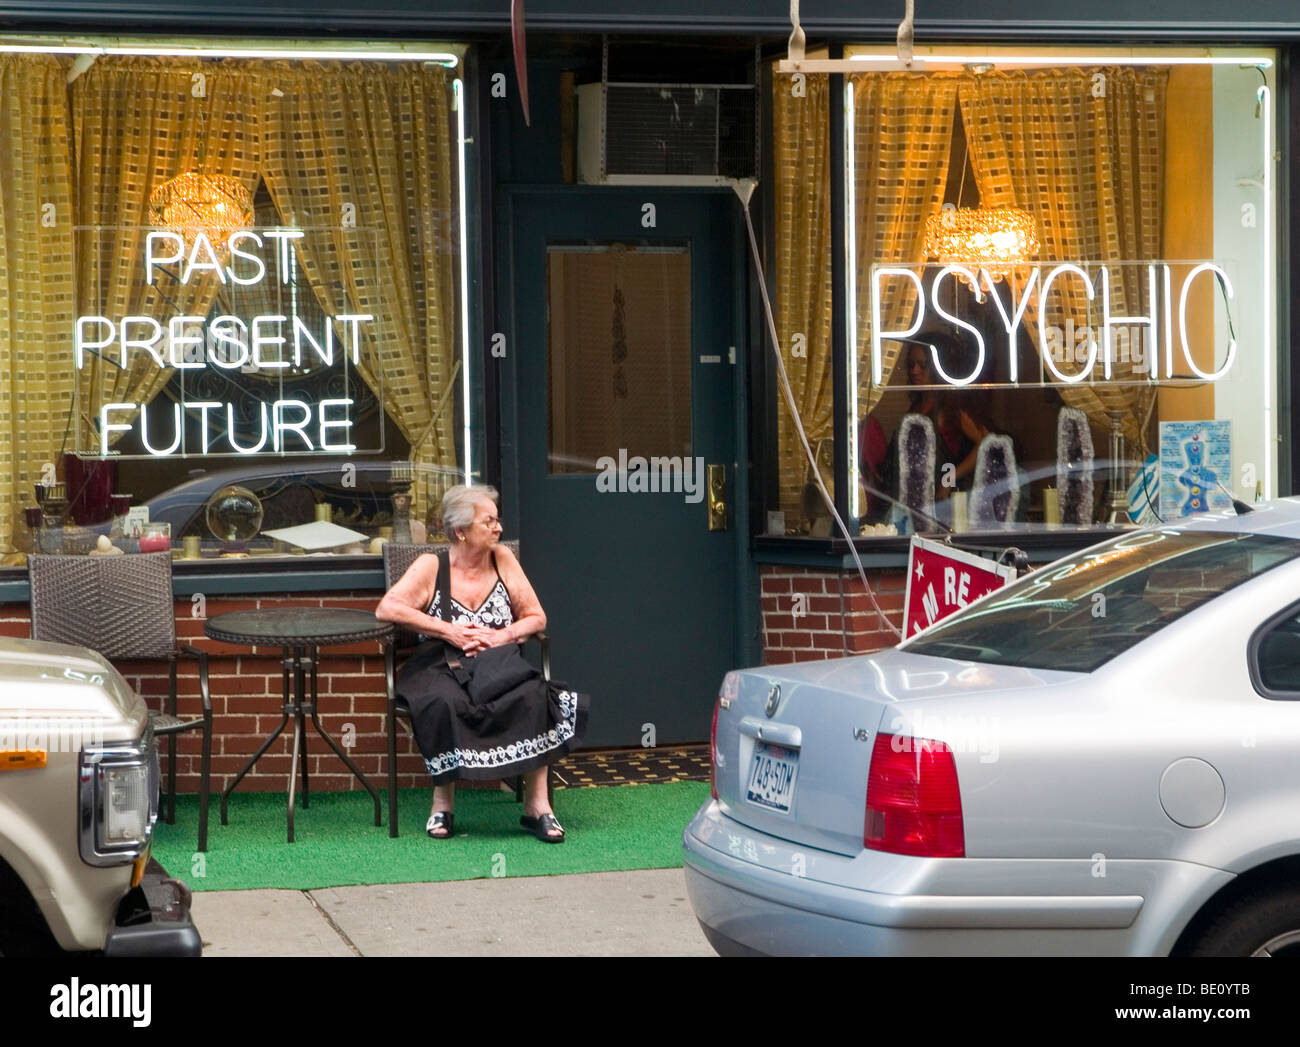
(713,751)
(913,799)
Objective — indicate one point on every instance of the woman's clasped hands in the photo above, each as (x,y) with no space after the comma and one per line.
(474,639)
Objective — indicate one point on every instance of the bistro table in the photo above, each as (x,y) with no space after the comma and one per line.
(300,632)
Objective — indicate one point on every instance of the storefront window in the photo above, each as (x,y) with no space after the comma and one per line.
(1061,288)
(228,270)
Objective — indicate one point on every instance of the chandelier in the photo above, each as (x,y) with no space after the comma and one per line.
(992,238)
(193,203)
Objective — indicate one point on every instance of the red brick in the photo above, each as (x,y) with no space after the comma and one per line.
(233,726)
(775,586)
(355,684)
(245,685)
(811,584)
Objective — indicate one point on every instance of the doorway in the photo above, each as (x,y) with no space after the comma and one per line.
(619,396)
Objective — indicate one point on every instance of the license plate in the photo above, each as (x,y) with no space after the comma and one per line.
(772,773)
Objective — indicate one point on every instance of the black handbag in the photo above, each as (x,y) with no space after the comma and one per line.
(490,674)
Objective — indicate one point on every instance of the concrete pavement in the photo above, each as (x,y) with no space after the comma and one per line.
(638,913)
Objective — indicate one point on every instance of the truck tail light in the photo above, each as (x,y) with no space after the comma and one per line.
(913,799)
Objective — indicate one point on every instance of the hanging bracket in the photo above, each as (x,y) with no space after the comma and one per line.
(795,62)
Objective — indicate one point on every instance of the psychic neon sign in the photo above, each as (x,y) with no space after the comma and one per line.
(269,342)
(1041,283)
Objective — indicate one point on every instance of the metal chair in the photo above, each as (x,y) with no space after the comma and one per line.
(398,557)
(121,606)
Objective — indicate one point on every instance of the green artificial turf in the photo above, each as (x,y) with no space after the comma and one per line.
(335,843)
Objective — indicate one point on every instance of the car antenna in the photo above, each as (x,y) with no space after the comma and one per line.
(1241,507)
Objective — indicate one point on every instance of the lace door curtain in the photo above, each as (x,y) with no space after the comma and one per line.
(137,123)
(37,281)
(378,143)
(801,168)
(1083,151)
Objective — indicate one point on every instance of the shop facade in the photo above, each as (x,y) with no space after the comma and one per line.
(564,303)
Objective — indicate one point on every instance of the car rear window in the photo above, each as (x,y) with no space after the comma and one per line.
(1078,614)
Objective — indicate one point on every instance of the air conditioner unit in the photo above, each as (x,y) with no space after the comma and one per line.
(667,134)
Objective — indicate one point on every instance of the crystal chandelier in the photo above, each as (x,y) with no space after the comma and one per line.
(992,238)
(193,203)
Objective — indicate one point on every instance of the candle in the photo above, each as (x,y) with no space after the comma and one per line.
(157,538)
(191,543)
(1052,506)
(324,512)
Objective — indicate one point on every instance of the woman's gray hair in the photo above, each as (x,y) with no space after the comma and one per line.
(458,506)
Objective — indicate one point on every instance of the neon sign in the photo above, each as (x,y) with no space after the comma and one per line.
(274,342)
(1158,325)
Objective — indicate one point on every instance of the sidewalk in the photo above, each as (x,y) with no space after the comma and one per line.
(639,913)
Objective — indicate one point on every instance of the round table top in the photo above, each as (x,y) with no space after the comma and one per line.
(297,626)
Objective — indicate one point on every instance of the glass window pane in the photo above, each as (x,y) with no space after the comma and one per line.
(620,353)
(1050,619)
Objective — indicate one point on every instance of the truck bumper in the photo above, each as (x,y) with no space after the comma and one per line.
(154,919)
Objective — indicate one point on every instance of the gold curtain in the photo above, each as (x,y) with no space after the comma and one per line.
(37,288)
(1083,151)
(902,136)
(801,164)
(139,122)
(374,146)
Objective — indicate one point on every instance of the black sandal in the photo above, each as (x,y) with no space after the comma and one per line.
(541,827)
(440,820)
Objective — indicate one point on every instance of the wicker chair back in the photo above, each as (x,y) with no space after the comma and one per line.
(120,606)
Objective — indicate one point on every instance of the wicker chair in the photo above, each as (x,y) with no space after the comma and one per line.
(398,557)
(121,606)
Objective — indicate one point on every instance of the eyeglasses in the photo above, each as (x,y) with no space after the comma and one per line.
(491,521)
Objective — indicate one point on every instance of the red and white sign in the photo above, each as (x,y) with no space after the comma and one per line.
(941,580)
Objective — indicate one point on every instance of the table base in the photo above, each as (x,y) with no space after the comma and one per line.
(300,661)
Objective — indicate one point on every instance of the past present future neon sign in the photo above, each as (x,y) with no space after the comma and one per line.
(272,343)
(1042,282)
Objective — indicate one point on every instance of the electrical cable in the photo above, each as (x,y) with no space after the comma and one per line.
(788,396)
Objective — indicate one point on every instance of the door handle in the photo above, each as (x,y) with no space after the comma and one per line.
(716,476)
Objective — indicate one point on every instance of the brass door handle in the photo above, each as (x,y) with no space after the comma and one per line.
(717,487)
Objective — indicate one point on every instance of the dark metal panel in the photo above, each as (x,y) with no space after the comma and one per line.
(842,429)
(1018,19)
(1288,276)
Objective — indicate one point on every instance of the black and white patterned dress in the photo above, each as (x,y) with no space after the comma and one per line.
(531,725)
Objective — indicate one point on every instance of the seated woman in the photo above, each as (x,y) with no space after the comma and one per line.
(518,732)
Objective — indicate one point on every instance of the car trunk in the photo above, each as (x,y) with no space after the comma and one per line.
(812,737)
(800,773)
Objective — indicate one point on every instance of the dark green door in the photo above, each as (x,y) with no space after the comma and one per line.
(622,393)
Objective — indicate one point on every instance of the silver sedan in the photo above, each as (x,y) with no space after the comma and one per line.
(1102,758)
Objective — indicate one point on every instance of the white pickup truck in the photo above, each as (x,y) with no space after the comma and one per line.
(78,801)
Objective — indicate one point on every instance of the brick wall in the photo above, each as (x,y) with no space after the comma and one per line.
(809,613)
(246,702)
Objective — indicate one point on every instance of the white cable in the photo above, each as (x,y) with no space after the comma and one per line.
(794,411)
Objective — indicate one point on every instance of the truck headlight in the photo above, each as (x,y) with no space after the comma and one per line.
(119,800)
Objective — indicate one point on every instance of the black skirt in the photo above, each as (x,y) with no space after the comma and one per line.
(529,726)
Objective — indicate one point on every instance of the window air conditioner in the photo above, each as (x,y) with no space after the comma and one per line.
(666,134)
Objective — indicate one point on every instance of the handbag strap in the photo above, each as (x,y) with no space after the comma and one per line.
(444,585)
(450,651)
